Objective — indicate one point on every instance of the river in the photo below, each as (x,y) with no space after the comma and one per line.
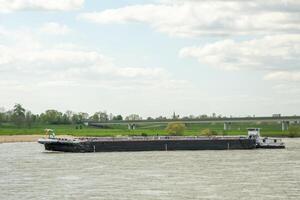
(27,171)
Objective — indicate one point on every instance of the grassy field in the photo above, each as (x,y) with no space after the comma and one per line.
(267,129)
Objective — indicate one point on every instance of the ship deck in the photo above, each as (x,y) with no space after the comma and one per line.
(157,138)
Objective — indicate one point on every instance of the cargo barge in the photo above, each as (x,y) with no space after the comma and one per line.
(152,143)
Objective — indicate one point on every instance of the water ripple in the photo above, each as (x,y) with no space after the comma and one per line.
(28,172)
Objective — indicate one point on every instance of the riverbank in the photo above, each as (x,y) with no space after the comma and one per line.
(18,138)
(10,133)
(23,138)
(32,138)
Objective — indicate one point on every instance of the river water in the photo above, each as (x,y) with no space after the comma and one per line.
(29,172)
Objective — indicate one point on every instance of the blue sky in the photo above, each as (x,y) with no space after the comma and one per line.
(151,57)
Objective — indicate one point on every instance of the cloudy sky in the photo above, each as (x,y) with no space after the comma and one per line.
(152,57)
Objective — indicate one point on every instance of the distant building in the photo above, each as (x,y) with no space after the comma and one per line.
(175,116)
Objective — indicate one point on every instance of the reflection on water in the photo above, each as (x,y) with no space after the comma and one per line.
(28,172)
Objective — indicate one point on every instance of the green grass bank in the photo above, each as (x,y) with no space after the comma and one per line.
(267,129)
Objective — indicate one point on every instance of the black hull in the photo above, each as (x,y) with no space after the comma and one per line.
(65,147)
(152,145)
(271,147)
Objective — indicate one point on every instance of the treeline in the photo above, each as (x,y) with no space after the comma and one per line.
(23,117)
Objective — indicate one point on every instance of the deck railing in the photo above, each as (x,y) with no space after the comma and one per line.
(147,138)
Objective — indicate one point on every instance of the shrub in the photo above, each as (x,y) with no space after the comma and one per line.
(175,128)
(294,131)
(144,134)
(208,132)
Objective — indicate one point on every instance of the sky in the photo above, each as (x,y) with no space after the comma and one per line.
(151,57)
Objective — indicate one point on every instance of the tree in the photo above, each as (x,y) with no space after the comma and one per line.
(18,115)
(103,116)
(161,118)
(214,115)
(185,118)
(29,119)
(95,117)
(8,117)
(133,117)
(82,116)
(175,128)
(118,118)
(79,118)
(52,117)
(66,119)
(203,116)
(68,116)
(100,116)
(75,118)
(2,115)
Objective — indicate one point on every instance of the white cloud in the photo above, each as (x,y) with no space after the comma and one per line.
(55,28)
(283,76)
(277,52)
(70,65)
(52,5)
(272,26)
(211,18)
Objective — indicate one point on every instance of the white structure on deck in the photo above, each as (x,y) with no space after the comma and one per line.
(254,133)
(264,142)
